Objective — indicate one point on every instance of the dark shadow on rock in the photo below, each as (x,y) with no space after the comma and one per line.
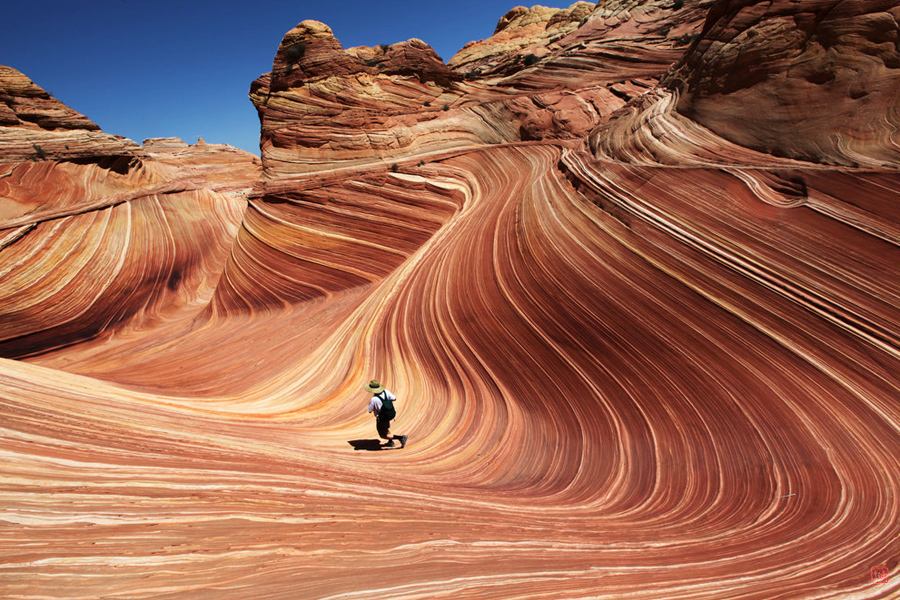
(370,445)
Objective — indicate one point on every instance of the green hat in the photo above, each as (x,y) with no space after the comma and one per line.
(374,387)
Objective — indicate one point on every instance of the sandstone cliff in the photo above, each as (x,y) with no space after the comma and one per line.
(816,81)
(98,233)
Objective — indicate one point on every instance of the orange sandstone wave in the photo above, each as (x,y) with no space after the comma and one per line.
(635,358)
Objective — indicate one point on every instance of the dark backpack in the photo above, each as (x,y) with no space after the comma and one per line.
(387,407)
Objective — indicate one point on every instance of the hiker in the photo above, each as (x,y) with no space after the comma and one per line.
(382,404)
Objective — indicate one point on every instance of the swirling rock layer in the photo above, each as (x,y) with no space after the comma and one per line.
(99,235)
(635,357)
(810,80)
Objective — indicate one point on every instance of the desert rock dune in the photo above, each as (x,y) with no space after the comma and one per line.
(640,308)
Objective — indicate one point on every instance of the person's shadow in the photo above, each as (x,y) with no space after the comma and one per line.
(370,445)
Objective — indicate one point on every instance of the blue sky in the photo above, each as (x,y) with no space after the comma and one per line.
(164,67)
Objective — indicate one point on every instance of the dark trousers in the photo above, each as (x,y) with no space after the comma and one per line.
(384,426)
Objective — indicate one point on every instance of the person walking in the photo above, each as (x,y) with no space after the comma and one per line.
(382,404)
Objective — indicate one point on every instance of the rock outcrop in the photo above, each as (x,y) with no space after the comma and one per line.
(34,125)
(325,110)
(24,103)
(523,35)
(536,78)
(99,234)
(645,339)
(815,81)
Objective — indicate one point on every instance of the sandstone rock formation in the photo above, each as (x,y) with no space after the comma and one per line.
(816,81)
(34,125)
(522,35)
(24,103)
(646,341)
(97,233)
(323,107)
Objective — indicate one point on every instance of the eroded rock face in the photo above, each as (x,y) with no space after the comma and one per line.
(635,357)
(816,81)
(34,125)
(99,235)
(523,34)
(24,103)
(325,111)
(536,78)
(310,51)
(371,95)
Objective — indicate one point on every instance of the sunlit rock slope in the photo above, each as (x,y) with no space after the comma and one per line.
(98,233)
(631,269)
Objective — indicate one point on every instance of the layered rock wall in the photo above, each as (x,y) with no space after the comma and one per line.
(99,234)
(815,81)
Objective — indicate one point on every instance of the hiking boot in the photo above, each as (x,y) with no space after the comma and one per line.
(388,444)
(403,441)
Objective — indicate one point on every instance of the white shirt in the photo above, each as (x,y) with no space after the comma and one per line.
(375,403)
